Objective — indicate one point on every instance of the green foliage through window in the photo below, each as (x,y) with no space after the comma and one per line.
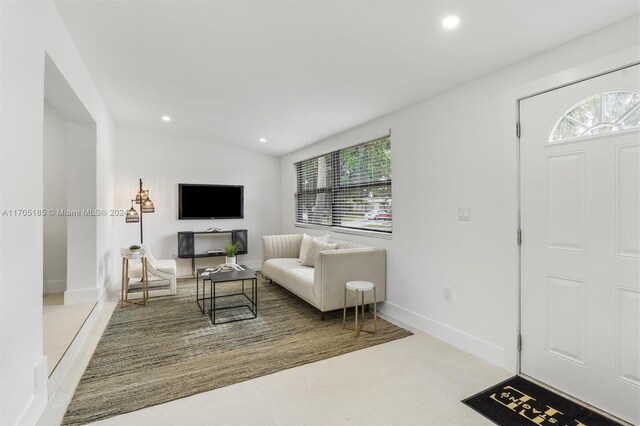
(603,113)
(349,188)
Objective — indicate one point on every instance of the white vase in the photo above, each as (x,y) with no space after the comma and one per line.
(230,260)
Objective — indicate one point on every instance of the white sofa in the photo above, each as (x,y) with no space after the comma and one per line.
(323,285)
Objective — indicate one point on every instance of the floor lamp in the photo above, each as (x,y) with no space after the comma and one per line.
(146,206)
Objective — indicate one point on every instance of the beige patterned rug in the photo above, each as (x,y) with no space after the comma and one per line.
(167,350)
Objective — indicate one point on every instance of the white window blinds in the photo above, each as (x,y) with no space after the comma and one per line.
(349,188)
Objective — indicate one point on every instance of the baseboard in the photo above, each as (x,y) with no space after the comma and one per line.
(67,359)
(37,403)
(80,296)
(54,286)
(102,291)
(468,343)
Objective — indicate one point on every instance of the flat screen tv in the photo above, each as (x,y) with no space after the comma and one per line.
(196,201)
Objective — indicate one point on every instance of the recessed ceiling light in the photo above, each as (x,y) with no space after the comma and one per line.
(166,118)
(450,22)
(263,140)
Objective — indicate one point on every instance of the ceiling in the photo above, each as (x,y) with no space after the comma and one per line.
(295,72)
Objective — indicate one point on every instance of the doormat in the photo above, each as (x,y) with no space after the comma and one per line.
(517,401)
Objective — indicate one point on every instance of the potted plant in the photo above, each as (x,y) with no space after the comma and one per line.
(231,251)
(134,250)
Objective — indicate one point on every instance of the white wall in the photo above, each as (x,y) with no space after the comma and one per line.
(163,162)
(55,197)
(69,251)
(27,30)
(453,151)
(81,190)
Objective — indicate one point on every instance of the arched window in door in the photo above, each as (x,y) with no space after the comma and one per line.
(603,113)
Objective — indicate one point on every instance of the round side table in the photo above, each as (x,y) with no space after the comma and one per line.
(360,287)
(124,290)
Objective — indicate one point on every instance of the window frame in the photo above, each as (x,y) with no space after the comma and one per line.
(566,116)
(333,189)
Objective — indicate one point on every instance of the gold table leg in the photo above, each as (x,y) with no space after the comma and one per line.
(356,329)
(123,287)
(375,314)
(145,281)
(124,292)
(344,309)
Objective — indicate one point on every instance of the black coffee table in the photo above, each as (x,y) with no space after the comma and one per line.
(223,277)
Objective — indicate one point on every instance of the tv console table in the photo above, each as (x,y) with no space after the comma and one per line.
(186,244)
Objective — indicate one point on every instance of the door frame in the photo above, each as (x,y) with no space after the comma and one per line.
(519,201)
(511,112)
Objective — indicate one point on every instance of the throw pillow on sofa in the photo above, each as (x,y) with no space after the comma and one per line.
(315,247)
(304,245)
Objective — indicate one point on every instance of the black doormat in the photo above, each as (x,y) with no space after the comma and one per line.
(517,401)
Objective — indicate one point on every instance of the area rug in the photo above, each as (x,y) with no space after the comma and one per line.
(167,349)
(520,402)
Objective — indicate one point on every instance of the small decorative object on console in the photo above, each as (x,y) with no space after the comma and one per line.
(231,250)
(225,267)
(134,250)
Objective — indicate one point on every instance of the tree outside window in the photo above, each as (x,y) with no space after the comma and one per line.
(349,188)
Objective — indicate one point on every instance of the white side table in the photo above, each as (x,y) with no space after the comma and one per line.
(360,287)
(124,291)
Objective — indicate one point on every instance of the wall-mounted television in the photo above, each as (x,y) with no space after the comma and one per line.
(197,201)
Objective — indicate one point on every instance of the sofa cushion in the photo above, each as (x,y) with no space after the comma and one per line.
(315,247)
(291,275)
(306,243)
(347,244)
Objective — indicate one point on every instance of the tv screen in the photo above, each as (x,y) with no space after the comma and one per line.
(210,201)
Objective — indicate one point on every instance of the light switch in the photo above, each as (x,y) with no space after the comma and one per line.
(464,214)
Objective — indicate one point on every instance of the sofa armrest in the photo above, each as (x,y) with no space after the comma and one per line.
(279,246)
(334,268)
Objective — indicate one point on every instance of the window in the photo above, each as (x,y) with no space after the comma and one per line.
(603,113)
(349,188)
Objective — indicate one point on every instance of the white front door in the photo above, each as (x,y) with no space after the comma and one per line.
(580,220)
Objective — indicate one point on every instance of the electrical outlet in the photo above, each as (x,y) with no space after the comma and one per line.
(447,294)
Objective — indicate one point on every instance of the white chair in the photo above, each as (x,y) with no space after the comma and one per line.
(162,275)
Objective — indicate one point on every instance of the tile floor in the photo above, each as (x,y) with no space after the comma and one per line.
(416,380)
(60,324)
